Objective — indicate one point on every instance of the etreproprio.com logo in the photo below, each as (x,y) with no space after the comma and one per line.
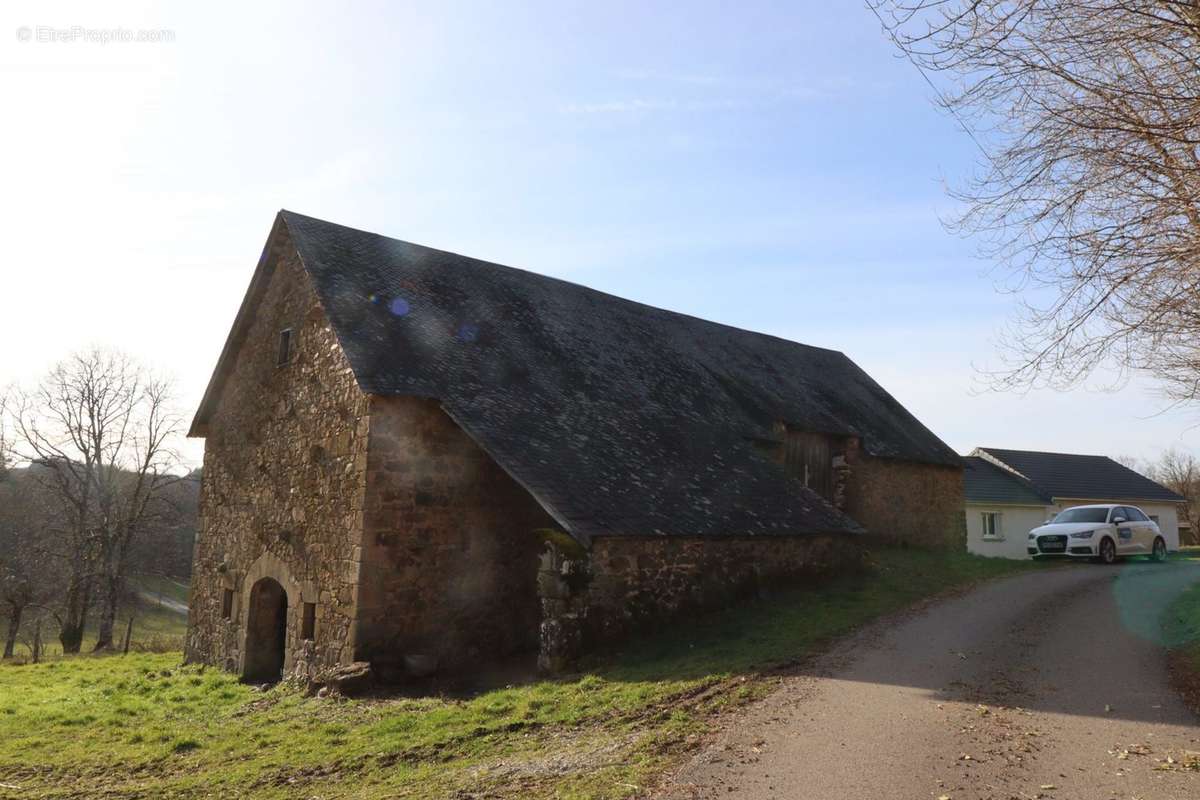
(73,34)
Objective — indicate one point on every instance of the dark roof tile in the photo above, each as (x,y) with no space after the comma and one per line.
(1081,477)
(984,482)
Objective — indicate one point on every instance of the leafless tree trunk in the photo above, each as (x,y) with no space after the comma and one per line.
(14,625)
(99,430)
(21,525)
(17,595)
(73,621)
(1088,116)
(5,454)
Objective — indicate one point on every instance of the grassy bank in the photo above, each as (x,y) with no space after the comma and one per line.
(142,725)
(1182,628)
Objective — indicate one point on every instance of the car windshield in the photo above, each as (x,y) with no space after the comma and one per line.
(1082,515)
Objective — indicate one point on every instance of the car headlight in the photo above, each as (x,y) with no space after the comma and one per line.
(1083,535)
(1032,535)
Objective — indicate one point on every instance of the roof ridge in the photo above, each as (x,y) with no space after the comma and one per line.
(575,285)
(1047,453)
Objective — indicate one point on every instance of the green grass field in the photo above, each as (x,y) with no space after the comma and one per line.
(143,726)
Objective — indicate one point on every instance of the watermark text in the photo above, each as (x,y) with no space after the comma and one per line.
(80,34)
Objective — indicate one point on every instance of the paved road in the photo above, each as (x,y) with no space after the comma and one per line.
(1050,684)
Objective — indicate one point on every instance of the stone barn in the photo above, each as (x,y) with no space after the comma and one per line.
(413,456)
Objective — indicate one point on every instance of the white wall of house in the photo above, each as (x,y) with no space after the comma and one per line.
(1014,525)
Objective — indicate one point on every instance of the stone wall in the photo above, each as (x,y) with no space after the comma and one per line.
(284,470)
(450,544)
(626,583)
(902,502)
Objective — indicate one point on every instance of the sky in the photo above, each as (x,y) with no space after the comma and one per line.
(772,166)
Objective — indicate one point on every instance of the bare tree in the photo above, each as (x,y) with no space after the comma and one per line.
(166,547)
(15,589)
(18,589)
(26,577)
(1180,472)
(5,452)
(98,431)
(1087,113)
(1133,462)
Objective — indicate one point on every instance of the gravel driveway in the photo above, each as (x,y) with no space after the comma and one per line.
(1049,684)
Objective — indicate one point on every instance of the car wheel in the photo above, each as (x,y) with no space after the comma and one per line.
(1160,550)
(1108,551)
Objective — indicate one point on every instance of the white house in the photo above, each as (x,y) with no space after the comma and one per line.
(1010,492)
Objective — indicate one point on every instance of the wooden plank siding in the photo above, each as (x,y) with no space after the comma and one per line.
(808,457)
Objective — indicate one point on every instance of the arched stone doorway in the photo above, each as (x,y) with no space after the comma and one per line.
(266,632)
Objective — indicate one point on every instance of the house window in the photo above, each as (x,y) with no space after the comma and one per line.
(308,623)
(991,525)
(227,604)
(285,347)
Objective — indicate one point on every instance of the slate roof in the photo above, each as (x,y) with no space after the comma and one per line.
(984,482)
(619,418)
(1080,476)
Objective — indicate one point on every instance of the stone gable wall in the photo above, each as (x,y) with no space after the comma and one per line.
(450,544)
(281,496)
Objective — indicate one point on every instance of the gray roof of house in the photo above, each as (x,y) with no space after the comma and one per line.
(984,482)
(1080,476)
(620,418)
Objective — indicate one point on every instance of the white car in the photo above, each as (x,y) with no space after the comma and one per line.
(1103,532)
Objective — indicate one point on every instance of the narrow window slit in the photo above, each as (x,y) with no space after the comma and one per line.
(308,622)
(285,347)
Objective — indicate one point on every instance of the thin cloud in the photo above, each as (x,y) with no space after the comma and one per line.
(782,87)
(648,106)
